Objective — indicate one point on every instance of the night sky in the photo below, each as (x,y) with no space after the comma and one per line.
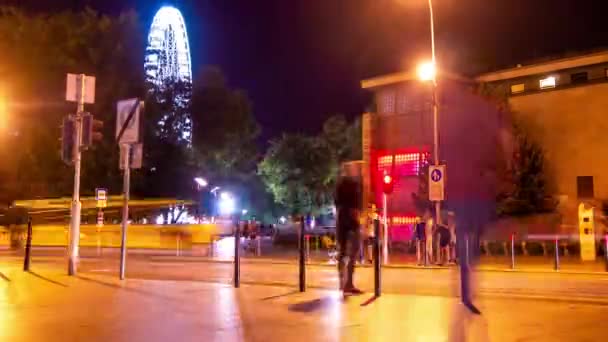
(302,60)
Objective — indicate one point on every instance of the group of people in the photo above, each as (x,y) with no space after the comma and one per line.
(431,236)
(427,234)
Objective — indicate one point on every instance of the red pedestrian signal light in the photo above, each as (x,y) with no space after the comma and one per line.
(387,184)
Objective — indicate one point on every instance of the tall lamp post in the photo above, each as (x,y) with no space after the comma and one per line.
(428,72)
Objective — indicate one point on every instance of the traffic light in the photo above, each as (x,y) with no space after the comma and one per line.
(387,184)
(90,130)
(68,139)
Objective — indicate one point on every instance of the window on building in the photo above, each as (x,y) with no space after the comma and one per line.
(517,88)
(387,102)
(579,77)
(401,102)
(584,187)
(548,82)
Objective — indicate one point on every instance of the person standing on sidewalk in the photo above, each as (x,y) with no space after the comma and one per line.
(348,201)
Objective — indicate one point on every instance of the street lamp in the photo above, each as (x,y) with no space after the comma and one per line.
(201,182)
(428,72)
(227,204)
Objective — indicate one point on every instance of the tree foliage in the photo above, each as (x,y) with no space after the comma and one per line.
(225,129)
(527,191)
(301,171)
(37,52)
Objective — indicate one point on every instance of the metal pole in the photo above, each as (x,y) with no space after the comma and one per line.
(377,276)
(466,246)
(125,210)
(432,24)
(28,246)
(259,241)
(513,251)
(307,245)
(237,258)
(302,257)
(76,205)
(385,230)
(556,265)
(606,250)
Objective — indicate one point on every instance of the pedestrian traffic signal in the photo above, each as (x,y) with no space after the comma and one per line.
(68,140)
(90,130)
(387,184)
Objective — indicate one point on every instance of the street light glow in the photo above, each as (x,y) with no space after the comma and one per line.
(227,204)
(202,182)
(427,71)
(3,114)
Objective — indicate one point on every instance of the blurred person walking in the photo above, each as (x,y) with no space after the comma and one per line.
(348,201)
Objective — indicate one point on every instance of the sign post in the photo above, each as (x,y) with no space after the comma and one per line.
(128,136)
(437,183)
(80,89)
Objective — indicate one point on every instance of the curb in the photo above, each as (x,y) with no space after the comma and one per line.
(390,266)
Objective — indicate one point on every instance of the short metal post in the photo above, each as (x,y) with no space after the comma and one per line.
(302,257)
(259,247)
(237,259)
(307,246)
(466,246)
(28,246)
(556,265)
(606,250)
(376,247)
(513,251)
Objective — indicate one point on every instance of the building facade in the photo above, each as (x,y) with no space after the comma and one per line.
(398,140)
(563,106)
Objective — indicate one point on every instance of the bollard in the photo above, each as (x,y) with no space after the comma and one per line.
(466,246)
(307,247)
(259,247)
(376,256)
(606,250)
(28,246)
(556,265)
(302,257)
(237,259)
(513,251)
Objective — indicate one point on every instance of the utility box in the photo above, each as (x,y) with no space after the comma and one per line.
(586,229)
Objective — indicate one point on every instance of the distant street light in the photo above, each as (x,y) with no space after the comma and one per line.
(244,211)
(201,182)
(227,204)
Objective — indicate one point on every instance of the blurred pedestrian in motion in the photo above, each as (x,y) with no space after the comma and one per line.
(420,241)
(429,230)
(452,229)
(443,234)
(348,201)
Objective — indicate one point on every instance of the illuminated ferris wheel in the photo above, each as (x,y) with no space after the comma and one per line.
(168,50)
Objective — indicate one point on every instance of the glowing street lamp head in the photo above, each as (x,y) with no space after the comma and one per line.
(427,71)
(201,182)
(227,204)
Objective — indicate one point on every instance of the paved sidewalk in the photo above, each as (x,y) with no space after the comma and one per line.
(47,305)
